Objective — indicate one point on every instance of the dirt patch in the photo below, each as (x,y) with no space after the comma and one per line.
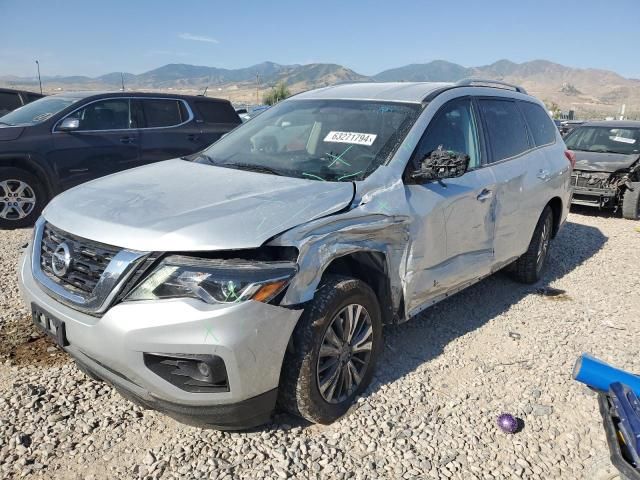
(25,345)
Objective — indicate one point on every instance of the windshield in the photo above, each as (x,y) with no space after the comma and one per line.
(38,111)
(332,140)
(604,139)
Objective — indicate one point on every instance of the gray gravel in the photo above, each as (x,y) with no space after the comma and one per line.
(430,412)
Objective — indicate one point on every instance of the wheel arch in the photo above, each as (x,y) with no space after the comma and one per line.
(371,267)
(556,208)
(27,163)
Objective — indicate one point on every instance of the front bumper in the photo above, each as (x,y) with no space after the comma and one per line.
(594,197)
(251,339)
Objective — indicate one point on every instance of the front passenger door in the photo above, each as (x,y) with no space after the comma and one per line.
(105,142)
(453,228)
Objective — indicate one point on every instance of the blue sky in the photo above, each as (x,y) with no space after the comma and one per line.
(97,37)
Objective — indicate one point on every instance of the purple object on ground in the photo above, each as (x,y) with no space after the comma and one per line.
(508,423)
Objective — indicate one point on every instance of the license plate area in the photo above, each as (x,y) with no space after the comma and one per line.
(50,325)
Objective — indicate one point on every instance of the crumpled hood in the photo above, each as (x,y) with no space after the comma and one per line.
(603,162)
(10,133)
(184,206)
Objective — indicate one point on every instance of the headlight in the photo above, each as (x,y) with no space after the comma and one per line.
(215,281)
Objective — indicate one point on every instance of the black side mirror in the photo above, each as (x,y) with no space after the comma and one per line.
(441,164)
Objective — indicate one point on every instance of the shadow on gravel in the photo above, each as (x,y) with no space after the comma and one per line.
(423,338)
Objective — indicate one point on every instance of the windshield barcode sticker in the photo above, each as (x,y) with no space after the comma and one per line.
(351,137)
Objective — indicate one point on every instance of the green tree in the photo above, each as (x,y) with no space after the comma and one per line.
(277,94)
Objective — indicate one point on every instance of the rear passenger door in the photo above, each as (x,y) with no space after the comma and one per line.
(516,165)
(168,129)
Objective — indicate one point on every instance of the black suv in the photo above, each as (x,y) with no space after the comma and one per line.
(11,99)
(63,140)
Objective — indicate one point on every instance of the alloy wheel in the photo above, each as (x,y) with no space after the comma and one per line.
(543,246)
(17,199)
(345,353)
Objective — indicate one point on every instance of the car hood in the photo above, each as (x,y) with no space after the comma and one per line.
(9,132)
(603,162)
(184,206)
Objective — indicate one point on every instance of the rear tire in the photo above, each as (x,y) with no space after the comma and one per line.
(530,266)
(631,202)
(308,375)
(22,198)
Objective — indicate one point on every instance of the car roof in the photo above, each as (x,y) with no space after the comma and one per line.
(13,90)
(413,92)
(613,123)
(120,94)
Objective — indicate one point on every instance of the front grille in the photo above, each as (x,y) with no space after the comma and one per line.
(591,181)
(89,260)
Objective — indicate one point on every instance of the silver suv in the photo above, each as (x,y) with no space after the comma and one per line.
(261,270)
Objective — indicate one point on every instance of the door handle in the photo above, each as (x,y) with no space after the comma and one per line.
(543,174)
(127,139)
(484,195)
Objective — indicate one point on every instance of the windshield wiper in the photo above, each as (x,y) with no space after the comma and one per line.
(252,168)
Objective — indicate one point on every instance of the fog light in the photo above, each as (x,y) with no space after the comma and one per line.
(190,372)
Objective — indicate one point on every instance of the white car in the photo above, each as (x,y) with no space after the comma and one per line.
(262,270)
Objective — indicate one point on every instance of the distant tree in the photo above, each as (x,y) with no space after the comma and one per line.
(277,94)
(553,108)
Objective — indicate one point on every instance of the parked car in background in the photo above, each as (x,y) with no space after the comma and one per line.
(567,125)
(60,141)
(607,171)
(262,269)
(11,99)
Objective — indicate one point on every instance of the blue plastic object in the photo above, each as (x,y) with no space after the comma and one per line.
(627,407)
(599,375)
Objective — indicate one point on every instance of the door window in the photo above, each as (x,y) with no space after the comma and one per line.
(104,115)
(540,125)
(453,128)
(217,112)
(163,113)
(505,127)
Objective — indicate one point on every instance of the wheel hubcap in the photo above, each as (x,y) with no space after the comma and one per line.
(17,199)
(345,353)
(543,247)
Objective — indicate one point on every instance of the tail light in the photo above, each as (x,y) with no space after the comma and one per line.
(571,157)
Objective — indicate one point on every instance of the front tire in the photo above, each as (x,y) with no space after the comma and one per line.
(530,266)
(334,349)
(631,202)
(22,198)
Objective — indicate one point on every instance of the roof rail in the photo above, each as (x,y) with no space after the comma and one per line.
(470,82)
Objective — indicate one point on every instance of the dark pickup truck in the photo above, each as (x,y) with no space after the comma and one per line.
(60,141)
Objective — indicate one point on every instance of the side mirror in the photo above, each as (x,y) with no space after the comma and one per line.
(441,164)
(69,124)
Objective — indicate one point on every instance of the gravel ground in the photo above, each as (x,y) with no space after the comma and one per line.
(430,412)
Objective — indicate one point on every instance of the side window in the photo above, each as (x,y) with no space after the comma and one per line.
(217,112)
(104,115)
(539,123)
(31,97)
(505,127)
(9,101)
(454,128)
(163,113)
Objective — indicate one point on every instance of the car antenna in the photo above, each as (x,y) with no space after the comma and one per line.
(204,94)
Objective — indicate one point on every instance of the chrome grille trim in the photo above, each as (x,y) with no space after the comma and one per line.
(92,287)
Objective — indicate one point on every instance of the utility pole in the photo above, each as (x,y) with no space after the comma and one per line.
(122,80)
(257,89)
(39,80)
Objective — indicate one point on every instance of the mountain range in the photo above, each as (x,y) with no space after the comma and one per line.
(584,90)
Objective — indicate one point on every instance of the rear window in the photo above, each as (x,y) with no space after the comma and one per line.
(217,112)
(506,128)
(540,125)
(163,113)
